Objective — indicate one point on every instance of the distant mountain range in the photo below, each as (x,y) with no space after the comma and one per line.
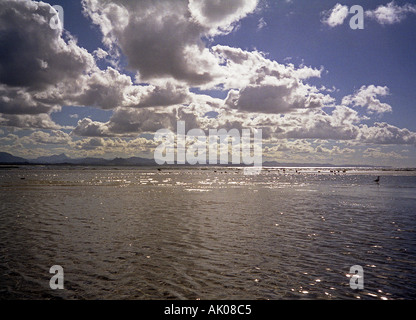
(8,158)
(63,159)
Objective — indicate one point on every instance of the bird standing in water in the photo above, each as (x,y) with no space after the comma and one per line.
(377,180)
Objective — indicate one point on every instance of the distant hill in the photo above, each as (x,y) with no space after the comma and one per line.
(7,158)
(62,159)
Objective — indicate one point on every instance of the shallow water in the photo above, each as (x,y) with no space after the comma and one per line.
(133,233)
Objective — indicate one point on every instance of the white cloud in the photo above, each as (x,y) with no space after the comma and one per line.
(40,121)
(163,43)
(54,137)
(169,43)
(219,16)
(336,16)
(391,13)
(243,68)
(261,85)
(335,150)
(128,122)
(100,53)
(341,124)
(37,56)
(38,67)
(279,99)
(301,150)
(44,69)
(20,101)
(98,146)
(378,153)
(384,133)
(366,97)
(89,128)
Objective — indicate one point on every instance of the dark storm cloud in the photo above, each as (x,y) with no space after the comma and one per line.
(32,54)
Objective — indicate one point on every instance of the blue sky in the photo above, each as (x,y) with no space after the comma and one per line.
(321,92)
(382,55)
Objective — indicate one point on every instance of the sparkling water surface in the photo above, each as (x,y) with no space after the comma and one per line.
(207,233)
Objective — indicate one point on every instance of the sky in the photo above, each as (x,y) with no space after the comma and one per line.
(119,70)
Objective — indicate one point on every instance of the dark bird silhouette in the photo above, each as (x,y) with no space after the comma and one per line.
(377,180)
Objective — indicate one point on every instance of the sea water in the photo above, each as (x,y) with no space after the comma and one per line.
(207,233)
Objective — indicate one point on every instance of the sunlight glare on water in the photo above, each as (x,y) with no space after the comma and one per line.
(128,233)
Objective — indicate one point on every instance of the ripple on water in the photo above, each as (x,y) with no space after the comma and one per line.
(205,235)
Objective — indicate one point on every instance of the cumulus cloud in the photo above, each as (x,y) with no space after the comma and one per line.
(40,121)
(98,146)
(54,137)
(130,121)
(100,53)
(33,55)
(336,16)
(89,144)
(42,69)
(261,85)
(366,97)
(300,150)
(36,63)
(391,13)
(20,101)
(163,96)
(341,124)
(109,89)
(166,46)
(169,42)
(388,14)
(242,68)
(89,128)
(103,89)
(384,133)
(335,150)
(219,16)
(126,122)
(274,98)
(285,146)
(379,153)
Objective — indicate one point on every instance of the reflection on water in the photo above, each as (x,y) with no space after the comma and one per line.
(206,234)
